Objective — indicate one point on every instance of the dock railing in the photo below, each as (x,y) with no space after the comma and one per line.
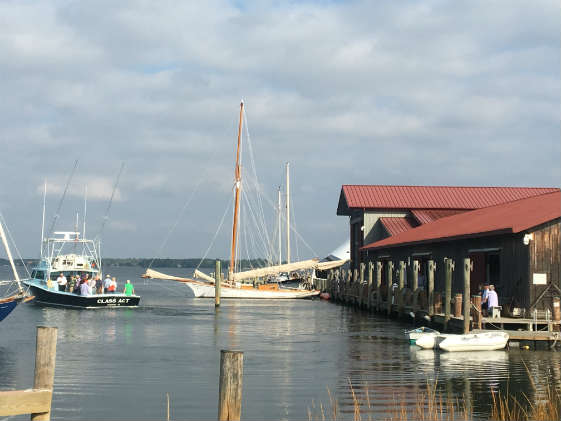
(36,401)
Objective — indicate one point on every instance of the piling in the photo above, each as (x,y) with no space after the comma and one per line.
(378,285)
(449,265)
(467,304)
(476,300)
(401,285)
(369,287)
(45,358)
(556,311)
(230,386)
(361,297)
(389,272)
(217,282)
(430,284)
(415,282)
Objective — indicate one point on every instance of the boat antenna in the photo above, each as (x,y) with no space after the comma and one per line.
(106,216)
(237,185)
(43,221)
(57,213)
(85,210)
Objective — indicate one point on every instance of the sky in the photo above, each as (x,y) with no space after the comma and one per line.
(401,92)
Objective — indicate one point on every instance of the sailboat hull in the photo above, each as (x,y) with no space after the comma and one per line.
(6,308)
(202,290)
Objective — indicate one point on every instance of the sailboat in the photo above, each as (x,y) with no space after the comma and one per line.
(239,284)
(11,293)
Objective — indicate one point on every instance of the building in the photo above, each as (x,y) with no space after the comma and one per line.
(377,212)
(514,245)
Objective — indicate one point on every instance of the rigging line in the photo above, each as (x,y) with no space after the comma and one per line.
(182,212)
(216,233)
(106,216)
(252,162)
(57,213)
(293,223)
(254,219)
(3,221)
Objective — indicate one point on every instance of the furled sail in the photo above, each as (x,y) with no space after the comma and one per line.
(331,265)
(150,273)
(201,275)
(273,270)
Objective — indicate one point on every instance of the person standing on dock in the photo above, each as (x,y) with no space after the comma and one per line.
(492,299)
(484,298)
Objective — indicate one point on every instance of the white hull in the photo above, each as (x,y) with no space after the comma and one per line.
(487,341)
(202,290)
(430,340)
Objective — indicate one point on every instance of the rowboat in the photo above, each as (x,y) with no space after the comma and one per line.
(414,334)
(486,341)
(430,340)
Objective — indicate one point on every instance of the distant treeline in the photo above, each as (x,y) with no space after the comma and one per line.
(157,263)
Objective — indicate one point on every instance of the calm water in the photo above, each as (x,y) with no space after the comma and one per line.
(119,364)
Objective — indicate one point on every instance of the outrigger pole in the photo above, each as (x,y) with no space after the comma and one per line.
(237,185)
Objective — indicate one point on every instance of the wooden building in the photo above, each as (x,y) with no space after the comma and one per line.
(514,245)
(377,212)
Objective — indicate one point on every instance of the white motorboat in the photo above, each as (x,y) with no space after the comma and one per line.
(431,340)
(414,334)
(486,341)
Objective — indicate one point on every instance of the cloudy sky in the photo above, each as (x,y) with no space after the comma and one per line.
(395,92)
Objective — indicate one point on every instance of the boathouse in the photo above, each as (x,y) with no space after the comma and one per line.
(377,212)
(514,245)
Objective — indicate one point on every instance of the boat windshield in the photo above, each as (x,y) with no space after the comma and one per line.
(69,273)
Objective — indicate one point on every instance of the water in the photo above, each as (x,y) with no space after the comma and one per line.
(119,364)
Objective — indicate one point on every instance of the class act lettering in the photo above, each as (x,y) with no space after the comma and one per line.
(113,300)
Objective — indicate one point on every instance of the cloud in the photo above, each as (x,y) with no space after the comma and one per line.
(411,92)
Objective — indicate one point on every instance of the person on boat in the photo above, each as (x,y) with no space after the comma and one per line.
(492,299)
(61,281)
(129,289)
(85,288)
(106,283)
(72,284)
(98,284)
(113,286)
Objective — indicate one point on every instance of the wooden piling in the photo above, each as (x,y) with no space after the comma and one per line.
(361,297)
(415,283)
(467,303)
(476,299)
(378,286)
(389,278)
(369,287)
(449,265)
(217,282)
(458,305)
(45,358)
(556,312)
(401,285)
(230,386)
(430,283)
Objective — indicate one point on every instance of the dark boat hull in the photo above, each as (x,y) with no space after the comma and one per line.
(6,308)
(64,299)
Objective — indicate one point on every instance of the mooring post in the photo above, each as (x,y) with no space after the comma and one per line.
(378,285)
(476,311)
(369,287)
(467,302)
(556,312)
(230,386)
(401,285)
(415,282)
(361,299)
(45,358)
(449,264)
(217,282)
(431,268)
(389,272)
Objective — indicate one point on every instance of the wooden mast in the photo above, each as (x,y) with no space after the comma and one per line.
(238,178)
(287,212)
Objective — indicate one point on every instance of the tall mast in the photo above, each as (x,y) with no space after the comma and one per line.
(287,212)
(7,247)
(238,178)
(279,209)
(43,222)
(85,209)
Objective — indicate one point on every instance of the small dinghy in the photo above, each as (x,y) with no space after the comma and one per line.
(415,334)
(431,340)
(486,341)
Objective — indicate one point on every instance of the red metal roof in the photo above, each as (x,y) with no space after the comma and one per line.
(512,217)
(424,216)
(397,225)
(430,197)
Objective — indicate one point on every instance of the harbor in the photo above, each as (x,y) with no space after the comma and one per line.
(296,353)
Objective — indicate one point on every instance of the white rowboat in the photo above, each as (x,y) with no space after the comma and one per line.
(486,341)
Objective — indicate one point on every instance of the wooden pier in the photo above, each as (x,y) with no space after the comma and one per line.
(365,289)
